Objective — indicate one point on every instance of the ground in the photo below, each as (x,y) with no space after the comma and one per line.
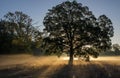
(28,66)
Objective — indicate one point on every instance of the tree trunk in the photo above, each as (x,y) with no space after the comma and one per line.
(71,55)
(71,59)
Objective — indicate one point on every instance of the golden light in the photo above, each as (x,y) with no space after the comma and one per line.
(67,58)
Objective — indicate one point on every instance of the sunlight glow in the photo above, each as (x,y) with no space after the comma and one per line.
(67,58)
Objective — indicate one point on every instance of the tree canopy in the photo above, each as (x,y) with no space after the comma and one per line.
(72,27)
(17,32)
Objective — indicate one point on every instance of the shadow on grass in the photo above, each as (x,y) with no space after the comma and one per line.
(90,70)
(22,72)
(65,72)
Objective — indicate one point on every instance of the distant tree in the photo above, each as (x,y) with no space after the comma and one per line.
(20,29)
(5,37)
(116,49)
(72,26)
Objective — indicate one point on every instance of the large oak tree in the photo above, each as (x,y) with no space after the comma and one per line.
(72,27)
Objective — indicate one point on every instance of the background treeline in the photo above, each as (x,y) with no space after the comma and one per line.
(17,34)
(114,51)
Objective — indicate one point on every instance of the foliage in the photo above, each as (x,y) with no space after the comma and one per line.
(72,26)
(5,37)
(17,32)
(114,51)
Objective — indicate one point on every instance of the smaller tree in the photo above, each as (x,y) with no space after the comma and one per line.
(5,37)
(20,30)
(116,48)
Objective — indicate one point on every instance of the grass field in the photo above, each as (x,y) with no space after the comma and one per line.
(28,66)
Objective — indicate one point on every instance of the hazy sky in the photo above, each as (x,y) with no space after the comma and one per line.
(37,9)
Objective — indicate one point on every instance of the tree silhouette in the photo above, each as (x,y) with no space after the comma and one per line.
(5,37)
(17,32)
(72,26)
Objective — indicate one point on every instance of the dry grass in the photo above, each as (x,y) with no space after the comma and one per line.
(26,66)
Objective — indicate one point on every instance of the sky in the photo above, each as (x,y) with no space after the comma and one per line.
(37,10)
